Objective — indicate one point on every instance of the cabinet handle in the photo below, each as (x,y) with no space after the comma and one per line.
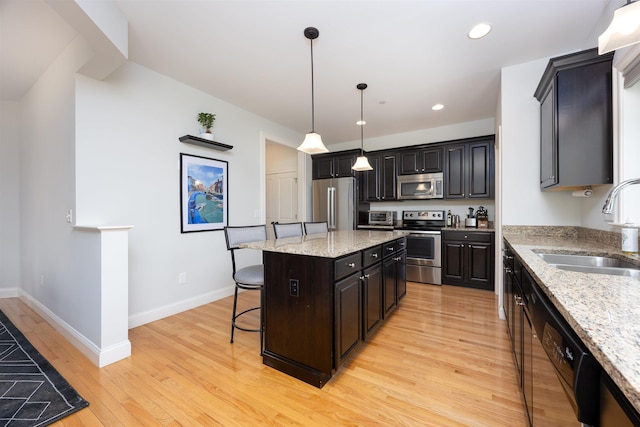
(374,255)
(362,278)
(366,276)
(351,264)
(518,299)
(508,270)
(390,249)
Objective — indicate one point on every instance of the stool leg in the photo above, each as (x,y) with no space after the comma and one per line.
(233,314)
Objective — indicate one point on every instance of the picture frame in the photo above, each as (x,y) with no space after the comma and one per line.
(203,193)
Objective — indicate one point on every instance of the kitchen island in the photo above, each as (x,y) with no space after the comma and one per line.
(601,309)
(325,294)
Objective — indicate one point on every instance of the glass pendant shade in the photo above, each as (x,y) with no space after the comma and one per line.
(312,144)
(361,164)
(624,29)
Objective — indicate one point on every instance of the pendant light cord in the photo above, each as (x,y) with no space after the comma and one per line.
(361,123)
(313,124)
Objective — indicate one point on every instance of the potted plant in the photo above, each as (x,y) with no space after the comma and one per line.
(206,121)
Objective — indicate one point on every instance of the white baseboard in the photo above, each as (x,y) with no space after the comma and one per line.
(179,307)
(99,357)
(9,293)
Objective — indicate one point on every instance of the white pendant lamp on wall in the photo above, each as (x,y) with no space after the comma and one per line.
(624,29)
(312,143)
(362,163)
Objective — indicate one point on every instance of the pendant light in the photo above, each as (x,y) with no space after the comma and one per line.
(624,29)
(362,163)
(312,143)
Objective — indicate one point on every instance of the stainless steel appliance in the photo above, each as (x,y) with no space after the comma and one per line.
(424,252)
(421,186)
(382,218)
(334,201)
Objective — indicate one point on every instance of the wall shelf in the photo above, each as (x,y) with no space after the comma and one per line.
(201,142)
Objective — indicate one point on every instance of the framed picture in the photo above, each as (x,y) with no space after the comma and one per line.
(203,193)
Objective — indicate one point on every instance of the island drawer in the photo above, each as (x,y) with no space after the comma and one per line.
(371,255)
(391,248)
(472,236)
(347,265)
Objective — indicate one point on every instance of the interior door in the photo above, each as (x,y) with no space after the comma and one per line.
(282,198)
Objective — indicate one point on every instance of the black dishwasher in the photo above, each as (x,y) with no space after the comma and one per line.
(576,369)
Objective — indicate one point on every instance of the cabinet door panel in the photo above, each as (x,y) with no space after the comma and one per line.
(479,170)
(390,290)
(480,265)
(455,176)
(432,160)
(453,261)
(373,179)
(388,178)
(372,296)
(343,166)
(348,312)
(323,168)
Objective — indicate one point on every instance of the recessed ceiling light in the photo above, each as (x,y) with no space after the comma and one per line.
(437,107)
(479,31)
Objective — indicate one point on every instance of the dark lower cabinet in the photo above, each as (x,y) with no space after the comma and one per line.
(348,316)
(468,259)
(544,395)
(372,298)
(318,311)
(394,275)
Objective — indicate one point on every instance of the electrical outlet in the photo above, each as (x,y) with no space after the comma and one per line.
(182,278)
(69,216)
(294,287)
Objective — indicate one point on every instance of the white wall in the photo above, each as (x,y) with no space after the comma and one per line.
(10,195)
(522,201)
(127,169)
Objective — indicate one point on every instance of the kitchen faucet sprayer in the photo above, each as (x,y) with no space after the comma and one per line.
(613,194)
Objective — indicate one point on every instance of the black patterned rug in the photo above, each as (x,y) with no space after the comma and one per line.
(32,392)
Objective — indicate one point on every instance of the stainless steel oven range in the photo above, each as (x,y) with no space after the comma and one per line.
(424,245)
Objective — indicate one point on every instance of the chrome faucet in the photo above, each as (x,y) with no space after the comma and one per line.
(613,194)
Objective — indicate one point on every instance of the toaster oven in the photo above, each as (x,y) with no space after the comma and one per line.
(382,218)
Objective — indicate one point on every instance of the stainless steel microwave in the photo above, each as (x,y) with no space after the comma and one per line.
(422,186)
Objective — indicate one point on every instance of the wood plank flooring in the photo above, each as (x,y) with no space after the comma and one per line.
(442,359)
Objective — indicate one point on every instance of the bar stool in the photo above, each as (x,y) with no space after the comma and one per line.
(290,229)
(249,278)
(316,227)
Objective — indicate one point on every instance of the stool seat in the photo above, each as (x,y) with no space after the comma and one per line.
(251,276)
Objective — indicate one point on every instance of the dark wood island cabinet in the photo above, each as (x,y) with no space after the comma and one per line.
(324,295)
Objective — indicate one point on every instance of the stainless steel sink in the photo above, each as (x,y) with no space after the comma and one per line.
(592,264)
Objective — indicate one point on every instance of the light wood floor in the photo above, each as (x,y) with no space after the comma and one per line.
(442,359)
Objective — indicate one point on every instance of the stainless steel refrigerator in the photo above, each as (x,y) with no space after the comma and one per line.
(334,201)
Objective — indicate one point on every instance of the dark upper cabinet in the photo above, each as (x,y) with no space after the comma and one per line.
(469,169)
(423,160)
(333,165)
(576,121)
(381,181)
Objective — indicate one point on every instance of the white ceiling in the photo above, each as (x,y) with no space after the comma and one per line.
(253,54)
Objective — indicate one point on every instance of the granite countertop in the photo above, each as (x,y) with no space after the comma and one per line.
(603,310)
(327,245)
